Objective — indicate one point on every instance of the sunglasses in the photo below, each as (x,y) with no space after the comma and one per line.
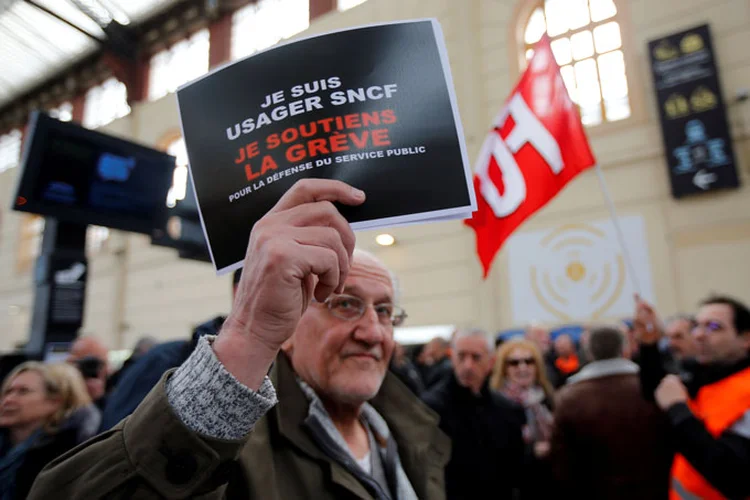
(526,361)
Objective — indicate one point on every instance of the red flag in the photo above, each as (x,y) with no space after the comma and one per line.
(537,145)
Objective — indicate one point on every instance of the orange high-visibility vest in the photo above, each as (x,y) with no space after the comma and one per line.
(568,365)
(718,405)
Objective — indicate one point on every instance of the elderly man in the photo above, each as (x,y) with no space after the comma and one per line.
(679,334)
(484,427)
(342,428)
(708,405)
(598,441)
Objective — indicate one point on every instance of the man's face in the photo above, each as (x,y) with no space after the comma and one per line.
(432,352)
(680,336)
(472,362)
(564,346)
(346,360)
(87,347)
(25,401)
(716,337)
(539,336)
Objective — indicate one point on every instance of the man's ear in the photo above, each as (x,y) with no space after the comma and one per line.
(745,339)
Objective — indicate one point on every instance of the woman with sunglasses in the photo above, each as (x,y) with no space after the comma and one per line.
(519,375)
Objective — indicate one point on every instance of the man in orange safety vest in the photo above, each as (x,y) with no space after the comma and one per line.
(708,402)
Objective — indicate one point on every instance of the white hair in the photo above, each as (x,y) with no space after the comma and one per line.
(474,332)
(360,253)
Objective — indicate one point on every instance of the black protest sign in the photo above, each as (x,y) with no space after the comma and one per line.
(694,125)
(372,106)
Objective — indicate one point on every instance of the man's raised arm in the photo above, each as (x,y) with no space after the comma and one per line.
(194,423)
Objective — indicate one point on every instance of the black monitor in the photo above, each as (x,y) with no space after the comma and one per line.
(78,175)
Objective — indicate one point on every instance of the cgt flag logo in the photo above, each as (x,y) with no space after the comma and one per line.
(536,146)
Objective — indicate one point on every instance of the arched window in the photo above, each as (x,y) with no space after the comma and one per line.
(180,176)
(10,149)
(184,61)
(63,112)
(587,43)
(265,23)
(105,103)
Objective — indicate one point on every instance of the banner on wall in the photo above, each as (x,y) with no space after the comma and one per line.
(372,106)
(694,125)
(577,272)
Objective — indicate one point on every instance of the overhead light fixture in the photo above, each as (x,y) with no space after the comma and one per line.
(385,239)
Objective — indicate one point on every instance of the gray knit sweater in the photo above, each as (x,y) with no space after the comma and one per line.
(211,401)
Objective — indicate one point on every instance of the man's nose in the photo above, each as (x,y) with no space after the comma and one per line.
(467,364)
(369,328)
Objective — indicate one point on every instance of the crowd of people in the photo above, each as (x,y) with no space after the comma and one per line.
(302,392)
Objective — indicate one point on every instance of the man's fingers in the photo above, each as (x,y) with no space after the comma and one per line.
(322,213)
(312,190)
(323,263)
(325,237)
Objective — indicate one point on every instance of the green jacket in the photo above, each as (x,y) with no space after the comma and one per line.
(151,454)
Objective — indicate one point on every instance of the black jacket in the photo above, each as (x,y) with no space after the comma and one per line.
(553,374)
(487,444)
(409,375)
(436,373)
(723,461)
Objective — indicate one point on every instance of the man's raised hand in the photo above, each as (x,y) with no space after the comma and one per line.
(302,248)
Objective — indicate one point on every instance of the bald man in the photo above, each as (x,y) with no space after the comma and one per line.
(91,357)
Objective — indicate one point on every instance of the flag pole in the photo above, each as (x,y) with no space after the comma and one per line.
(618,229)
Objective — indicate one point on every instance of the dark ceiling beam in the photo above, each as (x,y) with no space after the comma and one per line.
(62,19)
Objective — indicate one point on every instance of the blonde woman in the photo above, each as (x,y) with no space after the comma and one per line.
(42,409)
(519,375)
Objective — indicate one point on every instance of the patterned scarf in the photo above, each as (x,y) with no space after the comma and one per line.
(538,418)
